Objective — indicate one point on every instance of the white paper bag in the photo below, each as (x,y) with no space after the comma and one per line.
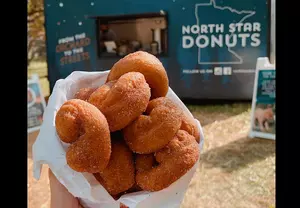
(48,149)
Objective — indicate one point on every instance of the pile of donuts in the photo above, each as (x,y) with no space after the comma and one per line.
(127,132)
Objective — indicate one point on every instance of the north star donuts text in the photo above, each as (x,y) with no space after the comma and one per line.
(212,35)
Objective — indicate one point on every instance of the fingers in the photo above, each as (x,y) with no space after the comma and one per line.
(60,196)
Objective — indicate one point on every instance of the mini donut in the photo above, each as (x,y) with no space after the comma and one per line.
(119,175)
(84,93)
(85,127)
(147,64)
(174,160)
(188,123)
(150,133)
(122,100)
(144,162)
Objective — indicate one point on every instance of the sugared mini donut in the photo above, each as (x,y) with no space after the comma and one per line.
(174,160)
(85,127)
(147,64)
(119,175)
(122,100)
(150,133)
(188,122)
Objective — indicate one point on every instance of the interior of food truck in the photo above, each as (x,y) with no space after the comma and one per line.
(124,34)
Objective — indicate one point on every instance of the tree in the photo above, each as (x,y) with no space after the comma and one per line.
(36,30)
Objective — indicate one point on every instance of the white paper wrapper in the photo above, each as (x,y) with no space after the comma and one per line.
(48,149)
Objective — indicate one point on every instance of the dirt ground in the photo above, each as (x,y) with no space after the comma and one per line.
(234,171)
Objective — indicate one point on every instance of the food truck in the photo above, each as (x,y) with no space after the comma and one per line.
(209,48)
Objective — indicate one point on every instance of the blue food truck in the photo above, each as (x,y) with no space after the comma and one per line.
(208,47)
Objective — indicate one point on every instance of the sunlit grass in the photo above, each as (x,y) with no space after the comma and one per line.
(233,109)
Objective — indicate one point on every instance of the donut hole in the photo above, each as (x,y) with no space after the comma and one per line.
(81,131)
(145,162)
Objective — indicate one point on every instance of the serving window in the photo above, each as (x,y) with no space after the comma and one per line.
(124,34)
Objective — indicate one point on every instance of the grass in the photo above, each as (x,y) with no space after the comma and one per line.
(233,109)
(234,171)
(207,114)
